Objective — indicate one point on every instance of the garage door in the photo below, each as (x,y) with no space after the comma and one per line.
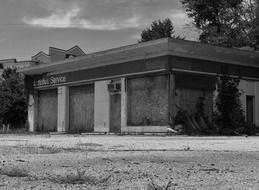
(81,109)
(47,111)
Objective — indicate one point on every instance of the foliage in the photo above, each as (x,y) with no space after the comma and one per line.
(13,106)
(158,29)
(228,23)
(229,116)
(257,25)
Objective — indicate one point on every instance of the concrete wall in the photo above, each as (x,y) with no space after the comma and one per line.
(101,106)
(250,88)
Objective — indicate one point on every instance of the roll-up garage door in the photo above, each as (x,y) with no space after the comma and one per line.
(81,109)
(47,111)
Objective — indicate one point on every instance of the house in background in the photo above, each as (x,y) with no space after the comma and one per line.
(56,54)
(42,58)
(13,63)
(135,88)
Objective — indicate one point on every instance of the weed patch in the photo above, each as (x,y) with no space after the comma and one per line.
(15,172)
(152,185)
(49,150)
(78,177)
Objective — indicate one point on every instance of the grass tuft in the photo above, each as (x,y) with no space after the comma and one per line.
(154,186)
(78,177)
(49,149)
(15,172)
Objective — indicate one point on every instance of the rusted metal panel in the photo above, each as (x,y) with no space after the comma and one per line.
(147,101)
(47,121)
(81,109)
(115,112)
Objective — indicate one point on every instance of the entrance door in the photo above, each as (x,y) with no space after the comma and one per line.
(115,113)
(250,109)
(81,109)
(47,111)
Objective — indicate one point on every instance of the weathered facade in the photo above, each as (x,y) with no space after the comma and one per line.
(136,88)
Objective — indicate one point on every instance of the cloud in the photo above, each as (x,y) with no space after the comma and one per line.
(60,18)
(107,15)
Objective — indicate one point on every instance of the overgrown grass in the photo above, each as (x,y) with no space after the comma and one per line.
(14,131)
(15,172)
(154,186)
(78,177)
(49,149)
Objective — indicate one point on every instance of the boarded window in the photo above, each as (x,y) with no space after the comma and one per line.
(47,121)
(147,102)
(81,109)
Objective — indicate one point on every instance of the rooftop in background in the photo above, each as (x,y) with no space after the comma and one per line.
(56,54)
(14,63)
(42,58)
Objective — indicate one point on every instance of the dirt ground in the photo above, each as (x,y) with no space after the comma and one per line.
(128,162)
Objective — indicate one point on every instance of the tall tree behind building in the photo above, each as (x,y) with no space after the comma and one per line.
(257,26)
(228,23)
(13,105)
(158,29)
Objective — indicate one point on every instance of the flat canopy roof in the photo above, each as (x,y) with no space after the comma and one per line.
(151,49)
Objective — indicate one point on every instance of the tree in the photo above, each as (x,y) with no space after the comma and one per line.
(228,23)
(229,115)
(13,105)
(257,25)
(158,29)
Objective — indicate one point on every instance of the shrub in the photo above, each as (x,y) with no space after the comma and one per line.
(13,104)
(229,116)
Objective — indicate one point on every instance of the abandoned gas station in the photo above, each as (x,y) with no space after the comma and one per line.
(135,88)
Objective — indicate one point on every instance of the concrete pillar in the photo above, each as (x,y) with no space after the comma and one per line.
(242,88)
(63,109)
(172,99)
(101,106)
(32,112)
(123,104)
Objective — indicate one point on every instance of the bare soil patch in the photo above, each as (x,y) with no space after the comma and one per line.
(86,166)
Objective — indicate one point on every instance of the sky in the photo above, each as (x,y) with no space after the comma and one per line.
(30,26)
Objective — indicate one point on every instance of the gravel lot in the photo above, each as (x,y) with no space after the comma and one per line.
(128,162)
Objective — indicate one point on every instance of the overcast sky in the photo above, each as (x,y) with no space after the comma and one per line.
(30,26)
